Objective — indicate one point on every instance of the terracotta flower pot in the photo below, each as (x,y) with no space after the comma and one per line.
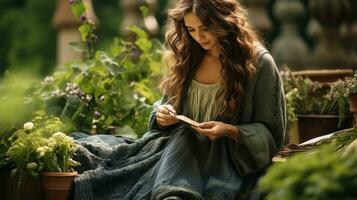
(353,103)
(311,126)
(30,189)
(58,185)
(325,75)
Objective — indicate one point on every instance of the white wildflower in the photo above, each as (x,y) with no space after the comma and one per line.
(13,172)
(59,134)
(48,80)
(88,97)
(41,151)
(51,142)
(28,126)
(31,165)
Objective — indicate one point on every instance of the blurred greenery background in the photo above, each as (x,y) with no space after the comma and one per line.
(29,38)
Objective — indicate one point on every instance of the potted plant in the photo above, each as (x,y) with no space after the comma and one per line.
(58,175)
(315,106)
(349,85)
(41,148)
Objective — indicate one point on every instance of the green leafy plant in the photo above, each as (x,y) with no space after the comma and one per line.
(350,85)
(304,96)
(344,88)
(113,90)
(87,29)
(57,155)
(321,174)
(108,91)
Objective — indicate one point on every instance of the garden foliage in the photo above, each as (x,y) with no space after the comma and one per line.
(108,92)
(318,175)
(304,96)
(114,89)
(29,38)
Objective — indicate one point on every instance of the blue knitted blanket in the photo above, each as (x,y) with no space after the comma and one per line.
(119,168)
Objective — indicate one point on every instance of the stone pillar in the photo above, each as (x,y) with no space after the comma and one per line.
(349,35)
(258,17)
(330,14)
(289,48)
(150,21)
(67,28)
(133,16)
(313,29)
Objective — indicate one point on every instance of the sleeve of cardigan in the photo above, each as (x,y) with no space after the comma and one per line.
(260,140)
(152,125)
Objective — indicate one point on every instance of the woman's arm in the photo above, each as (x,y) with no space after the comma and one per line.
(261,138)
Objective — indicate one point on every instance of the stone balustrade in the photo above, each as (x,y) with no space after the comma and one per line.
(327,41)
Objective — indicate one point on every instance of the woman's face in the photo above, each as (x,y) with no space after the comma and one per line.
(199,32)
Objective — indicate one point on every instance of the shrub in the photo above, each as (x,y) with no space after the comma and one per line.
(319,175)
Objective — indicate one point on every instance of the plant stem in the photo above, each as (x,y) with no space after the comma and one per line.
(19,182)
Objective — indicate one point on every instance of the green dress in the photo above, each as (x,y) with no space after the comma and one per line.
(203,106)
(212,173)
(178,163)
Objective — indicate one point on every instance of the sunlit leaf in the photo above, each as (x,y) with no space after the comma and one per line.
(78,9)
(139,32)
(144,11)
(85,30)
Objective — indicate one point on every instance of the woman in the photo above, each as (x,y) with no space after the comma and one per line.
(222,77)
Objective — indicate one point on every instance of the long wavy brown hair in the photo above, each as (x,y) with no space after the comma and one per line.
(226,19)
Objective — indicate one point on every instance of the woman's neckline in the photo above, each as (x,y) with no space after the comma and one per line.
(206,84)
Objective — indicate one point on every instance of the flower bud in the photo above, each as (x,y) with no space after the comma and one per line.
(102,98)
(88,98)
(31,165)
(83,18)
(94,38)
(97,114)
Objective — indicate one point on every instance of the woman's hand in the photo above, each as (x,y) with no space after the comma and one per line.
(163,116)
(214,130)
